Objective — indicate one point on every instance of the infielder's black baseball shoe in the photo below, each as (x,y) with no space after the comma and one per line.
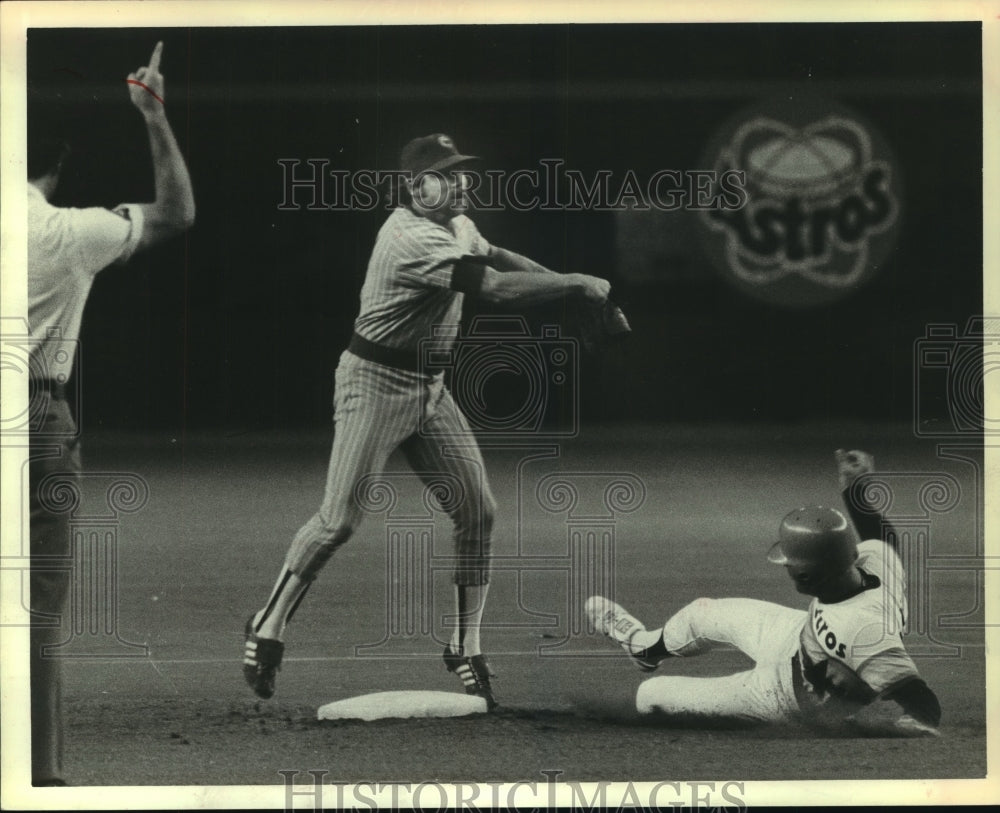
(261,661)
(474,672)
(615,621)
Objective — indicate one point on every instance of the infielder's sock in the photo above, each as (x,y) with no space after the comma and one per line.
(285,597)
(470,601)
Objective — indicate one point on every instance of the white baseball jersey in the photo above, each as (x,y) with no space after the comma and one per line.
(66,249)
(864,631)
(407,289)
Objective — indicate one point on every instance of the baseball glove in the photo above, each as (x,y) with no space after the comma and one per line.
(599,326)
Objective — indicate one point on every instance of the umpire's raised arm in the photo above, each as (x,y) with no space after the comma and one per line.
(172,212)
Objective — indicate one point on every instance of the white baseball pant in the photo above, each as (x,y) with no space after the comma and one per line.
(768,633)
(378,409)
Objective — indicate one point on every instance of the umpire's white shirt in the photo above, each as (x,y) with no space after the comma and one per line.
(66,249)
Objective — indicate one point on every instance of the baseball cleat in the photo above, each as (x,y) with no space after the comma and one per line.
(615,622)
(474,672)
(261,661)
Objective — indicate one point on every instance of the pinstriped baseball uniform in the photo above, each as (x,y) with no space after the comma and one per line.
(407,287)
(383,401)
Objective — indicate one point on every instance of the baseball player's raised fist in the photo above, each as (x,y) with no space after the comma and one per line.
(595,289)
(851,465)
(145,85)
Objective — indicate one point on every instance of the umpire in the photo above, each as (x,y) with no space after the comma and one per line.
(67,247)
(428,255)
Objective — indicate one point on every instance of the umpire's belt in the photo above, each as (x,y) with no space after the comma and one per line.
(56,389)
(396,357)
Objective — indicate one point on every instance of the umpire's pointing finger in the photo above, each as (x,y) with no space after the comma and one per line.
(154,60)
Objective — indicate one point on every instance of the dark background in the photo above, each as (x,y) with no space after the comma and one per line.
(240,323)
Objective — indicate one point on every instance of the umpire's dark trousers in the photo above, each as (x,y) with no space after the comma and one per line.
(54,476)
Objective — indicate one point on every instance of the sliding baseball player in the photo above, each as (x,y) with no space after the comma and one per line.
(822,665)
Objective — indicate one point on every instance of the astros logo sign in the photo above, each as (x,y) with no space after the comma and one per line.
(822,203)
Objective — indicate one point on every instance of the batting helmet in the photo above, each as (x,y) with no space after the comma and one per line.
(817,538)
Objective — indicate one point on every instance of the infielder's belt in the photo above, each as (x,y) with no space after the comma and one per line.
(56,389)
(390,356)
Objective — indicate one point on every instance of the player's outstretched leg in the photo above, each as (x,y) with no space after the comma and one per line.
(644,647)
(263,647)
(361,444)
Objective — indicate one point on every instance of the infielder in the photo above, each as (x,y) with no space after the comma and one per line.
(66,249)
(819,666)
(428,255)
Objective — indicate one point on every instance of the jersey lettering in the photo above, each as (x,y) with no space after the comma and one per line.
(830,639)
(861,631)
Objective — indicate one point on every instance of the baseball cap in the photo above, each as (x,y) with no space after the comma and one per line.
(435,152)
